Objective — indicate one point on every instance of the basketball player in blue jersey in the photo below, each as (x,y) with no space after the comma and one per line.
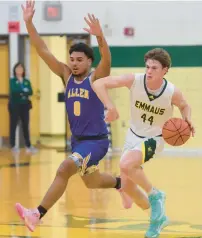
(85,114)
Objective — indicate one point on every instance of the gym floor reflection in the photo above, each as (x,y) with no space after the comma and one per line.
(98,213)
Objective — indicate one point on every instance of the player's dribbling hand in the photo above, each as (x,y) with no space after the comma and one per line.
(191,126)
(111,115)
(28,10)
(93,23)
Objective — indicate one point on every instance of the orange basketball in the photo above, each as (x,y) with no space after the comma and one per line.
(176,131)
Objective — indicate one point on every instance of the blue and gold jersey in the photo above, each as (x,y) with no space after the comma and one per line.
(85,110)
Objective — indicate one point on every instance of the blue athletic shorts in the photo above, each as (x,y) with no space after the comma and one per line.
(87,154)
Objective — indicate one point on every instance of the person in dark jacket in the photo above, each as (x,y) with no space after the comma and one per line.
(19,106)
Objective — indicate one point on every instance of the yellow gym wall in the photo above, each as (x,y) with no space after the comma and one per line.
(189,82)
(52,113)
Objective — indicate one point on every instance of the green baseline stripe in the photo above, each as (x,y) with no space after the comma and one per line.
(133,56)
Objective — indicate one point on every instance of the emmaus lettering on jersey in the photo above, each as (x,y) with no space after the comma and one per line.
(149,108)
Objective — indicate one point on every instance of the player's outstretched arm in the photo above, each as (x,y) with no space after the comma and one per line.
(56,66)
(179,101)
(101,87)
(103,68)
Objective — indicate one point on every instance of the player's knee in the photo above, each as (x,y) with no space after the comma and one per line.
(67,169)
(125,166)
(130,161)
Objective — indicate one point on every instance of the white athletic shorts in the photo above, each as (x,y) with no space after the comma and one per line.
(148,146)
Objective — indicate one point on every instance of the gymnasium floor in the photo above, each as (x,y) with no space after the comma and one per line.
(99,213)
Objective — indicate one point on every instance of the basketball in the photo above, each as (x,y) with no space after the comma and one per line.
(176,131)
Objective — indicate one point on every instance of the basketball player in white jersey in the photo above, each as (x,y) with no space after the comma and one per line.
(152,98)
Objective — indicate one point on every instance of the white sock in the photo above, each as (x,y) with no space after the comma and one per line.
(153,191)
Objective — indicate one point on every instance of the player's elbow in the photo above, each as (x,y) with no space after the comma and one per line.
(100,83)
(184,107)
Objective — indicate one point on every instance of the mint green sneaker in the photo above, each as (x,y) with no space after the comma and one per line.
(156,227)
(157,204)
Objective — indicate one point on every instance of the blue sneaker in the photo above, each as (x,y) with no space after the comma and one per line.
(156,227)
(157,203)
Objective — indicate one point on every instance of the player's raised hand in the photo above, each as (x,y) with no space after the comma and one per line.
(28,10)
(94,25)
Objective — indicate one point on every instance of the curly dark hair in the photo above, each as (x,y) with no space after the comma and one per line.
(82,47)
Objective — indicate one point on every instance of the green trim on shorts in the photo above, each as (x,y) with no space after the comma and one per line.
(150,148)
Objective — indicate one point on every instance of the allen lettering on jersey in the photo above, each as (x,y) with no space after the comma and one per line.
(78,92)
(149,108)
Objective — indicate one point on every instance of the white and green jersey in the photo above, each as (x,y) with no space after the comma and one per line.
(149,112)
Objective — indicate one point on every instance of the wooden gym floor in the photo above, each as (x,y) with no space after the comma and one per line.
(98,213)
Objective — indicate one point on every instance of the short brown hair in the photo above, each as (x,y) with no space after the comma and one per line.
(160,55)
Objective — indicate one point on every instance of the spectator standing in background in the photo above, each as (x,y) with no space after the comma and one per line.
(19,107)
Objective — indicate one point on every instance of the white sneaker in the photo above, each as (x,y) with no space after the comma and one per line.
(15,150)
(31,150)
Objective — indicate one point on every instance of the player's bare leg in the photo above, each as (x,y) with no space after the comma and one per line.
(31,217)
(134,194)
(131,166)
(101,180)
